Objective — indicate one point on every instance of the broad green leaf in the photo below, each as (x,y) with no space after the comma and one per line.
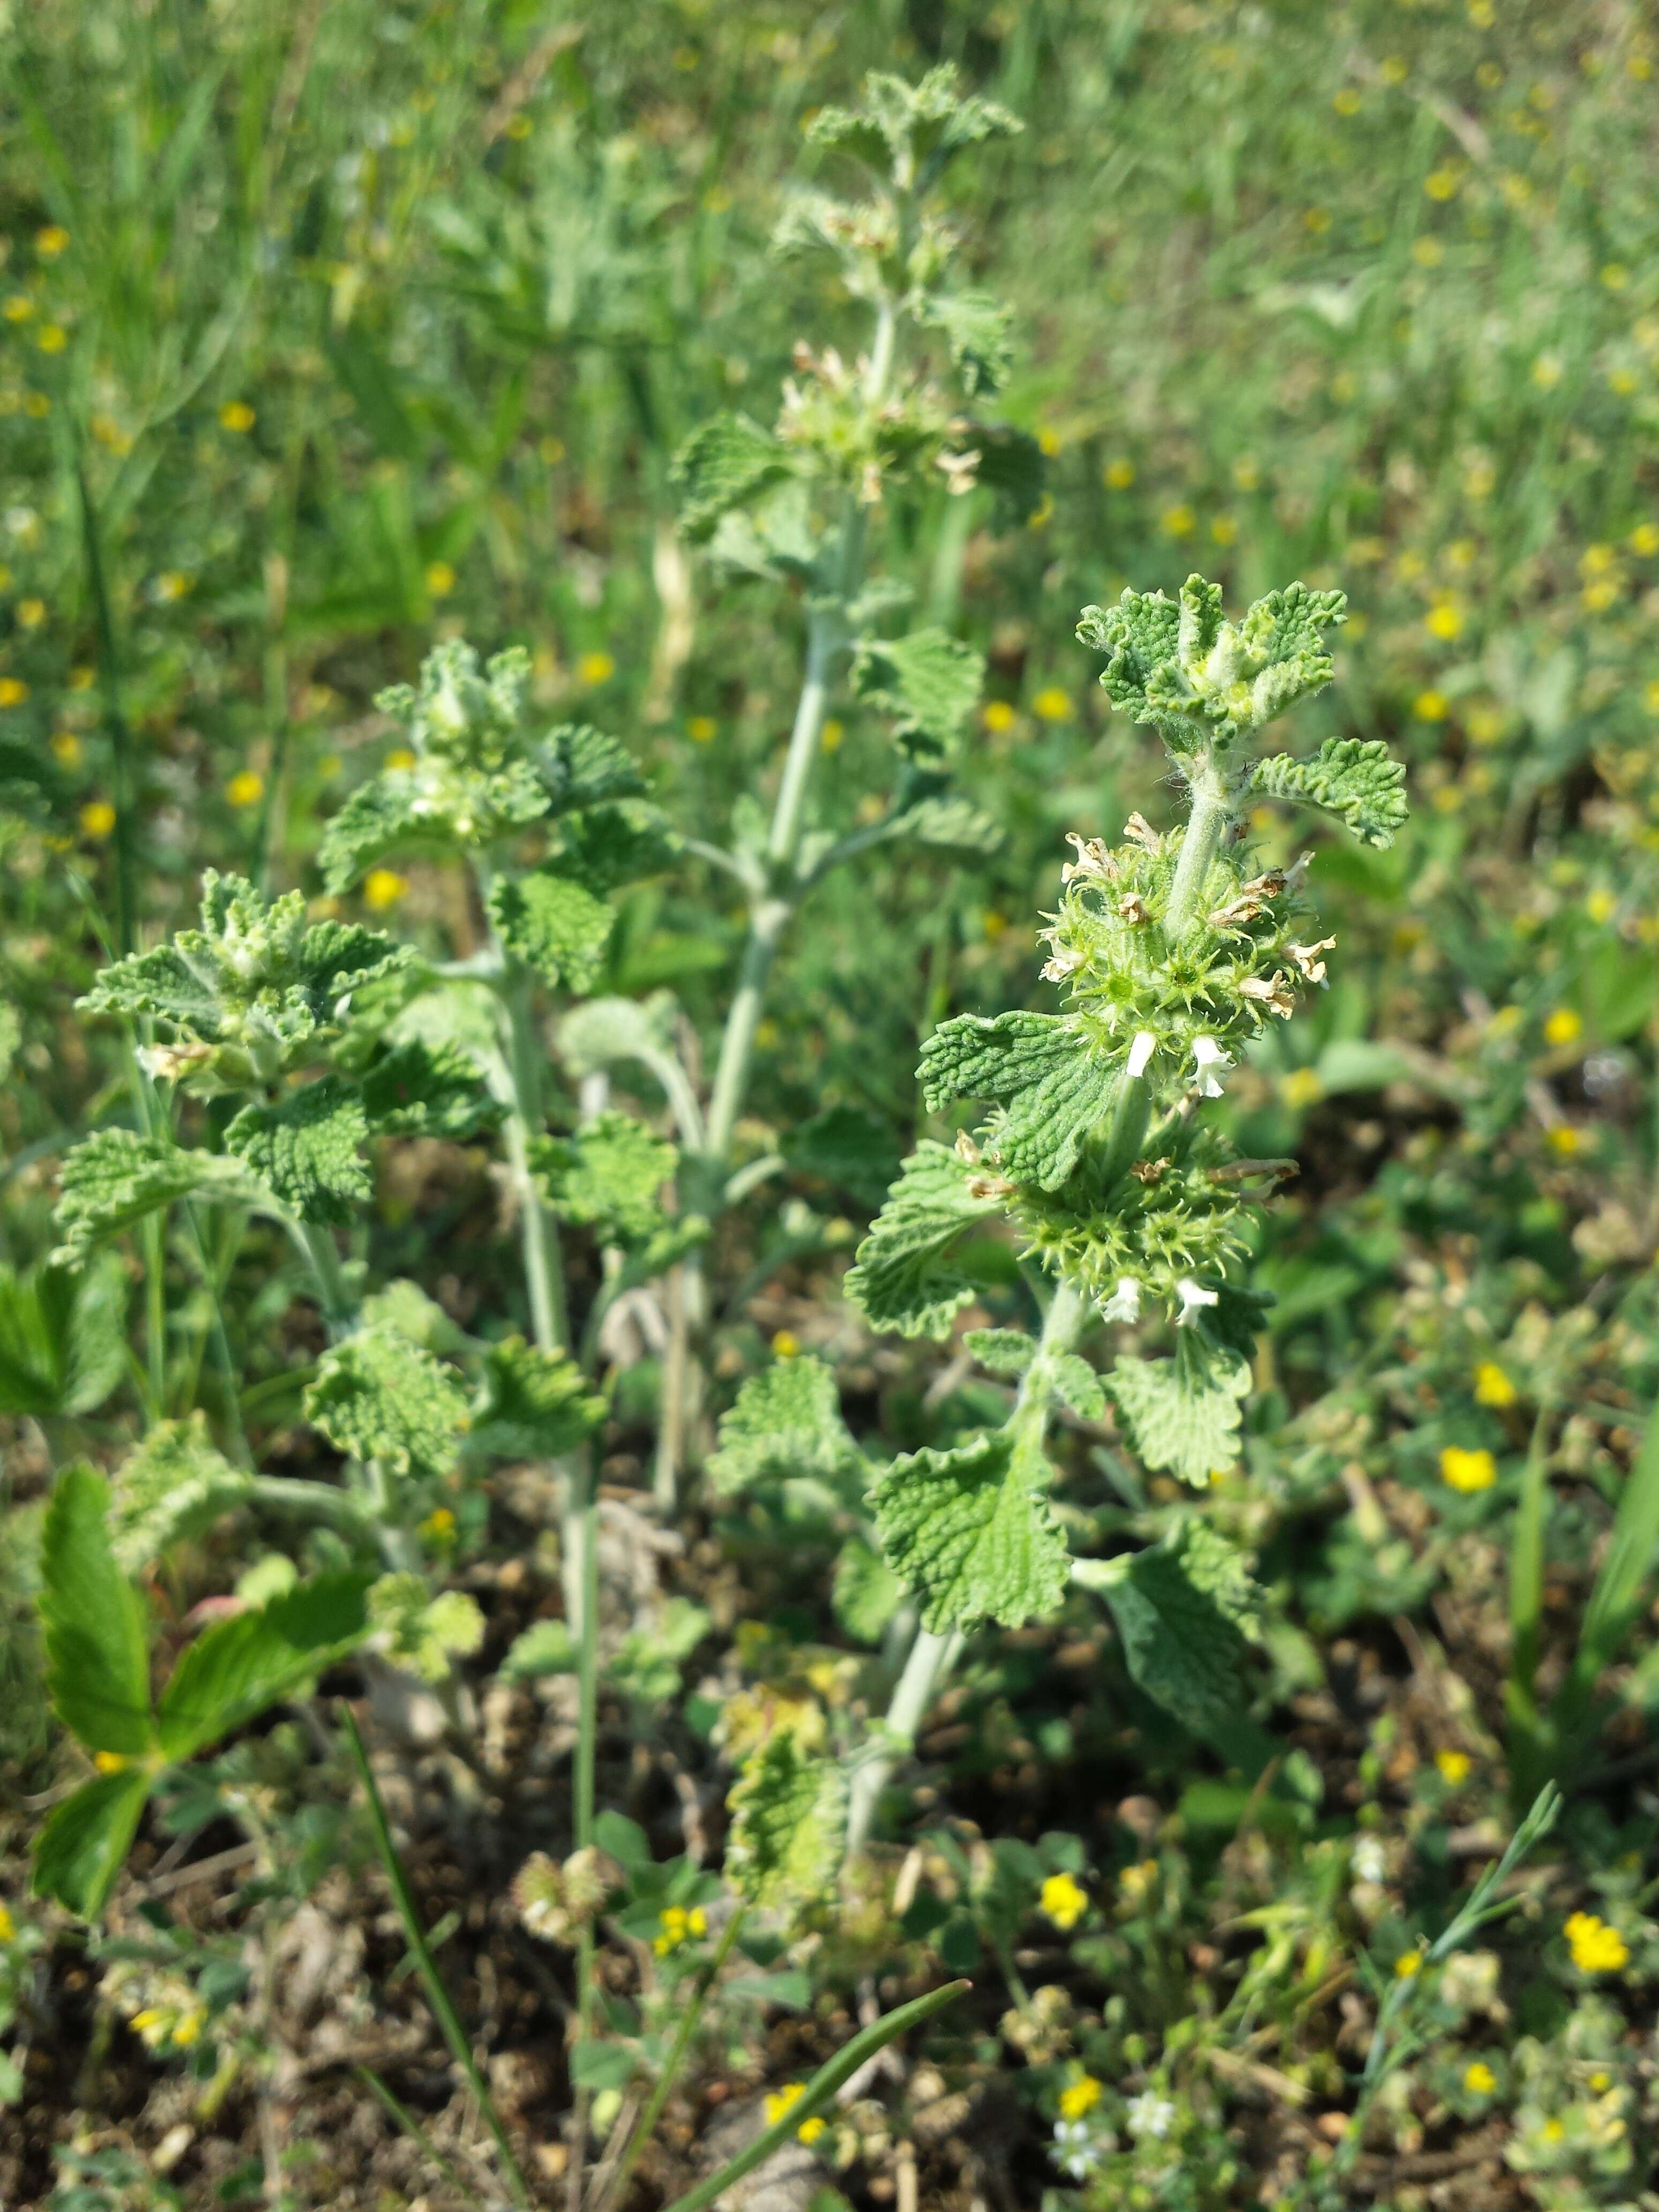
(378,1397)
(947,822)
(114,1178)
(785,1423)
(96,1631)
(554,924)
(583,766)
(788,1810)
(1006,1351)
(419,1632)
(929,682)
(308,1149)
(1183,1413)
(609,1175)
(63,1342)
(536,1405)
(978,330)
(847,1146)
(969,1529)
(726,463)
(866,1593)
(544,1648)
(1078,1385)
(1055,1084)
(903,1278)
(605,846)
(1351,777)
(911,130)
(237,1668)
(1182,1645)
(174,1484)
(84,1843)
(607,1032)
(421,1088)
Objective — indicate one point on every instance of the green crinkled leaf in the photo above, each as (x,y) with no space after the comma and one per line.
(583,766)
(1180,1645)
(785,1423)
(545,1648)
(609,1175)
(404,1306)
(63,1340)
(605,846)
(1351,777)
(912,130)
(726,463)
(650,1662)
(854,1150)
(928,682)
(96,1628)
(970,1531)
(607,1032)
(788,1813)
(173,1484)
(422,1634)
(238,1669)
(536,1405)
(438,806)
(1077,1383)
(903,1278)
(307,1148)
(114,1178)
(866,1593)
(419,1089)
(252,992)
(378,1397)
(1183,1413)
(1216,1565)
(1180,667)
(1010,465)
(1056,1087)
(84,1843)
(979,330)
(1007,1351)
(554,924)
(947,822)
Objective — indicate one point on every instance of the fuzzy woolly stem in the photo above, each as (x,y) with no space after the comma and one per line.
(544,1264)
(1212,811)
(931,1656)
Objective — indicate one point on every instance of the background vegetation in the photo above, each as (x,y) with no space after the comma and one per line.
(329,331)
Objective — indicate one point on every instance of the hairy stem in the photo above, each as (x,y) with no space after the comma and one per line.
(1211,813)
(933,1656)
(544,1262)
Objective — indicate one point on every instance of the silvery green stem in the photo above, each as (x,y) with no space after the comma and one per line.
(544,1264)
(933,1656)
(1211,812)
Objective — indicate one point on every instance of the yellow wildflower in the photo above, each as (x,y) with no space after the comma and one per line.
(1064,1901)
(1564,1026)
(172,585)
(595,668)
(1317,220)
(1431,706)
(1441,183)
(187,2027)
(1428,252)
(236,415)
(13,691)
(440,578)
(1247,473)
(1644,539)
(786,1344)
(83,679)
(439,1526)
(831,735)
(1444,620)
(50,242)
(65,748)
(1615,276)
(1301,1087)
(1479,2078)
(97,817)
(1596,1948)
(8,1925)
(31,613)
(1547,371)
(109,1762)
(246,788)
(1600,906)
(995,926)
(676,1925)
(768,1034)
(781,2102)
(53,337)
(1566,1140)
(1347,101)
(18,309)
(1223,530)
(1492,1387)
(1453,1766)
(1120,474)
(1408,1964)
(1468,1471)
(399,758)
(998,717)
(1394,69)
(382,888)
(1053,704)
(1080,2097)
(702,729)
(1177,522)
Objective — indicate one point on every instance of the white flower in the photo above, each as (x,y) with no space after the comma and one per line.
(1149,2114)
(1142,1046)
(1124,1304)
(1208,1062)
(1370,1860)
(1191,1296)
(1076,2151)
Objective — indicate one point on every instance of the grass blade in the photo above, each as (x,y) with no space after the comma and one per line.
(442,2004)
(819,2092)
(416,2134)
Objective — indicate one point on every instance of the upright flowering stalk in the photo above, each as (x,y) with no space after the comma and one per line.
(1172,951)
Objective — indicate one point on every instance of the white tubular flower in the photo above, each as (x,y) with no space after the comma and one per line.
(1193,1296)
(1209,1063)
(1149,2114)
(1369,1861)
(1124,1304)
(1142,1046)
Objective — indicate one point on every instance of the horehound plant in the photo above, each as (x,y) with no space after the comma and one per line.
(1171,950)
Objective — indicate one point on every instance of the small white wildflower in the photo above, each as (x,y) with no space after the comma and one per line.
(1370,1860)
(1191,1296)
(1076,2151)
(1124,1304)
(1149,2114)
(1209,1063)
(1142,1046)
